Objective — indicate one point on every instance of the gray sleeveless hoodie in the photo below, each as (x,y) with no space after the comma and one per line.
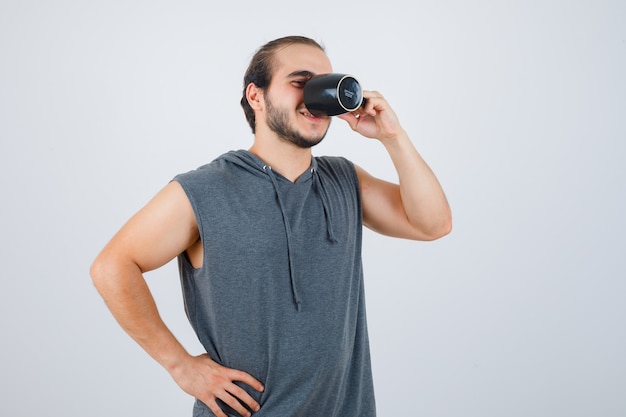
(280,293)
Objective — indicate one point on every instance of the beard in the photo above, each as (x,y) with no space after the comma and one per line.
(278,121)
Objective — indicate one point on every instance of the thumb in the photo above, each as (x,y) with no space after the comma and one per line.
(351,118)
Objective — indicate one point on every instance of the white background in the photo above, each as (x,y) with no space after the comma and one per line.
(518,106)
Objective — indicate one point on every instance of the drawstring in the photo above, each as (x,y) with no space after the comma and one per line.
(319,185)
(321,191)
(292,273)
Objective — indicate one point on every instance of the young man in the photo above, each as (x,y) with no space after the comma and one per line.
(268,242)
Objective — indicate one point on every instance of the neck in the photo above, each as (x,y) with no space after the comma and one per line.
(286,158)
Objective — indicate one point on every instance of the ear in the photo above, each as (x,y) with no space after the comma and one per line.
(254,96)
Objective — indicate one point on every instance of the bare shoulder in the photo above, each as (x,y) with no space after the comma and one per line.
(158,232)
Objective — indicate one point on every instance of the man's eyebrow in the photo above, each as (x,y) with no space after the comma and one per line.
(301,73)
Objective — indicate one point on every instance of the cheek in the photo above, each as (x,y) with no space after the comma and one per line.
(292,96)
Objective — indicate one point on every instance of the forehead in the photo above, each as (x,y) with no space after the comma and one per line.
(299,57)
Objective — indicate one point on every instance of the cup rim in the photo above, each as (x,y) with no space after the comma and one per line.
(339,95)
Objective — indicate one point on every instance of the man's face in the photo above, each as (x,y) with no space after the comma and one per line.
(286,115)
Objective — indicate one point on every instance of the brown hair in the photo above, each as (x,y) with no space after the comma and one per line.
(260,70)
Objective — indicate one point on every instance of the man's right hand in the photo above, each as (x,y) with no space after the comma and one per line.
(206,380)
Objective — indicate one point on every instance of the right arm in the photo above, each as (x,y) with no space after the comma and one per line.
(158,233)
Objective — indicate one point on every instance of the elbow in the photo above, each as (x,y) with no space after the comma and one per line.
(112,274)
(104,272)
(446,228)
(445,224)
(97,273)
(437,231)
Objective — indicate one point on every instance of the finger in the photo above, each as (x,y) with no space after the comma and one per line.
(371,94)
(246,378)
(234,403)
(351,118)
(240,394)
(230,401)
(373,103)
(215,408)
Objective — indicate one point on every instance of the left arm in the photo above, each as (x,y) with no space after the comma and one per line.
(415,208)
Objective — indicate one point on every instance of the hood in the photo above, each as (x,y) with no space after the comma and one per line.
(256,166)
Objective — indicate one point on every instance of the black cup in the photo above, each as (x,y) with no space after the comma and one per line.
(332,94)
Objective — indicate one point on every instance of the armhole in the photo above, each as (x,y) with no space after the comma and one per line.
(184,256)
(357,187)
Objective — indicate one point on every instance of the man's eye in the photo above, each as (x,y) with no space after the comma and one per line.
(299,83)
